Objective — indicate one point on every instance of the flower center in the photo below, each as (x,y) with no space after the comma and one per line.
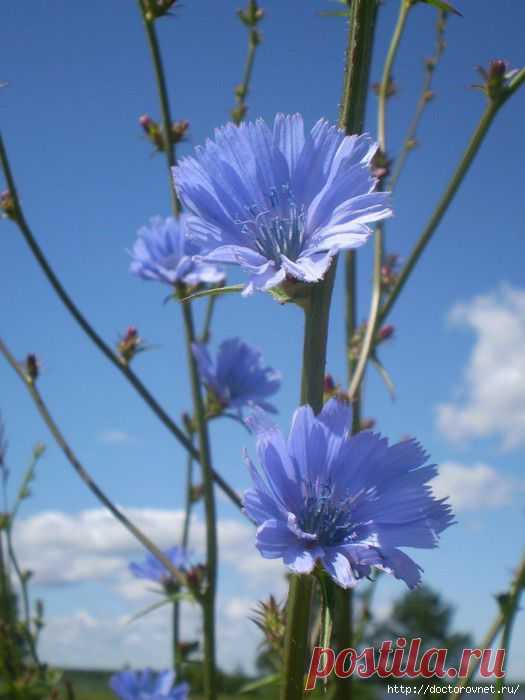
(326,515)
(277,230)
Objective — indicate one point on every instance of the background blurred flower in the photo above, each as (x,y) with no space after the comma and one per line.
(154,570)
(147,685)
(281,204)
(163,252)
(238,377)
(346,502)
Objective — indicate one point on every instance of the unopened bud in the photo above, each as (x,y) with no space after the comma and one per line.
(329,384)
(188,423)
(196,492)
(184,649)
(380,164)
(32,367)
(196,578)
(7,205)
(145,121)
(238,113)
(129,345)
(152,131)
(496,78)
(385,332)
(367,423)
(158,8)
(178,130)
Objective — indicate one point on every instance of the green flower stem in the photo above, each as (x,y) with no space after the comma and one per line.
(370,333)
(358,367)
(206,330)
(470,153)
(81,471)
(404,8)
(208,600)
(160,77)
(298,608)
(88,329)
(361,36)
(360,42)
(177,660)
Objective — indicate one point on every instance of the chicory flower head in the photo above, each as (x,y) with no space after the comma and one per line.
(148,685)
(154,570)
(347,503)
(238,377)
(163,252)
(281,203)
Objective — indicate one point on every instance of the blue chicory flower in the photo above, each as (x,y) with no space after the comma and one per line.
(148,685)
(154,570)
(281,203)
(347,503)
(238,378)
(164,252)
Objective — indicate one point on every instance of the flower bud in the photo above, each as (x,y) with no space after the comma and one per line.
(496,78)
(152,131)
(32,367)
(7,205)
(197,492)
(329,384)
(158,8)
(196,579)
(251,15)
(367,423)
(129,345)
(178,130)
(385,332)
(380,164)
(184,649)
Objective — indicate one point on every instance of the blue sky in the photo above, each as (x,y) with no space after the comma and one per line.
(78,81)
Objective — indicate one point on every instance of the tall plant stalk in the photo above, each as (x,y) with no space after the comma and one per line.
(360,40)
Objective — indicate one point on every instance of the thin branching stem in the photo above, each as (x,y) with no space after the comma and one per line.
(384,85)
(363,16)
(160,77)
(504,618)
(358,367)
(425,97)
(253,15)
(65,298)
(490,112)
(208,601)
(80,469)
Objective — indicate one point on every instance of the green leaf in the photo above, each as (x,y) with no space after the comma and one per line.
(442,5)
(261,683)
(334,13)
(215,292)
(165,601)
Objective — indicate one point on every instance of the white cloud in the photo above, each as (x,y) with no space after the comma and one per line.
(115,436)
(91,545)
(492,400)
(475,487)
(71,548)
